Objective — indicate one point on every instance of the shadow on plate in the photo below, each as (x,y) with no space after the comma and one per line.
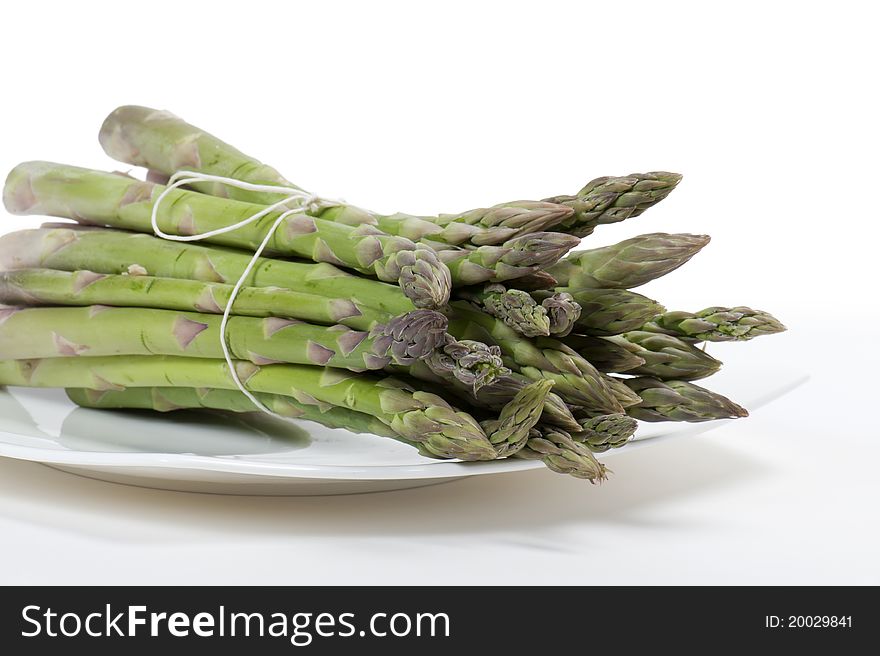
(207,433)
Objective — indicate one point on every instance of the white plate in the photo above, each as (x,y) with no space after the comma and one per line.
(255,454)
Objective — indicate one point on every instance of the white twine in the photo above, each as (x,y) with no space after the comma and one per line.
(304,201)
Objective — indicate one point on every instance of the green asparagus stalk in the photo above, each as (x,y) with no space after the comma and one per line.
(482,226)
(418,416)
(520,256)
(609,311)
(677,400)
(556,449)
(624,395)
(613,199)
(563,313)
(169,399)
(505,388)
(49,332)
(510,431)
(161,141)
(100,198)
(116,252)
(83,288)
(628,264)
(534,281)
(599,434)
(577,381)
(716,324)
(666,357)
(604,354)
(514,307)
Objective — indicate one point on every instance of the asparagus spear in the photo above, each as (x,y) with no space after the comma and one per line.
(417,416)
(79,288)
(510,431)
(624,395)
(520,256)
(115,251)
(514,307)
(628,264)
(503,389)
(677,400)
(605,432)
(122,202)
(604,354)
(612,199)
(536,280)
(716,324)
(169,399)
(483,226)
(466,362)
(556,449)
(666,356)
(161,141)
(577,381)
(563,313)
(28,333)
(609,311)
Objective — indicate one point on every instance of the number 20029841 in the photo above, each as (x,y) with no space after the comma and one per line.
(808,622)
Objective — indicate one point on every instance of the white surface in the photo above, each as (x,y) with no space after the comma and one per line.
(256,454)
(769,110)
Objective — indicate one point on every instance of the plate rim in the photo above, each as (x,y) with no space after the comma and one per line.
(250,465)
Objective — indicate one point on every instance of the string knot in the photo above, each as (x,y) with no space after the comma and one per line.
(296,201)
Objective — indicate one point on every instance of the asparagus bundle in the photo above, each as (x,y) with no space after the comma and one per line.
(117,252)
(109,199)
(548,356)
(577,381)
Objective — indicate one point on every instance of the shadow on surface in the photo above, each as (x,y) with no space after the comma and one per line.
(491,504)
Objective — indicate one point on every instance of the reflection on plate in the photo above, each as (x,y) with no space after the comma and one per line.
(201,451)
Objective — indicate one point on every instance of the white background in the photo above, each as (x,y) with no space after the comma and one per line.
(768,108)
